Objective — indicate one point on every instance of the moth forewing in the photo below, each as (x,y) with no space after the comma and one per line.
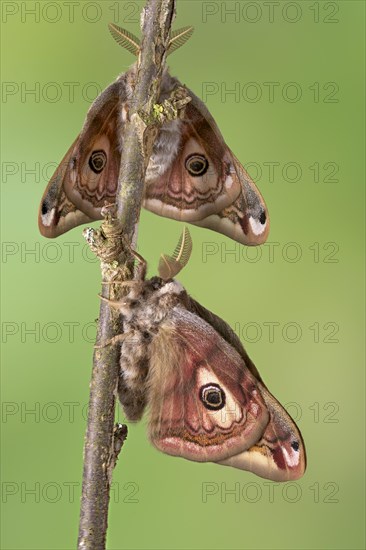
(57,213)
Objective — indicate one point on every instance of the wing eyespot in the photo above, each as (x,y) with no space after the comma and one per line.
(196,165)
(97,161)
(212,397)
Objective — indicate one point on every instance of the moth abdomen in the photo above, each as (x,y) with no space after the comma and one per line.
(134,370)
(166,148)
(133,401)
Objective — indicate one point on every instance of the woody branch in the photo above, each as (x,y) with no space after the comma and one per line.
(103,440)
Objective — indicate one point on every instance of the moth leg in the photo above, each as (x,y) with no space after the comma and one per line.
(141,267)
(111,341)
(123,283)
(112,303)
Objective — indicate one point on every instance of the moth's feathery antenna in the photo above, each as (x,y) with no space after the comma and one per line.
(170,266)
(125,38)
(179,37)
(131,43)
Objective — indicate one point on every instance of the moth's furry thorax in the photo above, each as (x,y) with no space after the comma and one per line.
(167,144)
(146,305)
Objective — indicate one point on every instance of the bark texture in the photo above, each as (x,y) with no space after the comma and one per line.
(104,439)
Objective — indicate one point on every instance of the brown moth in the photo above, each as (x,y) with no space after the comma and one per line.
(192,175)
(206,400)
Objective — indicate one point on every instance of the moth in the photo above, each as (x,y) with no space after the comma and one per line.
(206,400)
(192,175)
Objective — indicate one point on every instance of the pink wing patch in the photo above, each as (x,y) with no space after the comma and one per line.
(208,406)
(280,453)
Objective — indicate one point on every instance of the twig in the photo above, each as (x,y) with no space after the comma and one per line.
(103,440)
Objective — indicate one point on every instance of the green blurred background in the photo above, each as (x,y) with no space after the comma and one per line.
(307,283)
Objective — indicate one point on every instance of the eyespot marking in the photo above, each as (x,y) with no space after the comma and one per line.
(196,165)
(212,397)
(97,161)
